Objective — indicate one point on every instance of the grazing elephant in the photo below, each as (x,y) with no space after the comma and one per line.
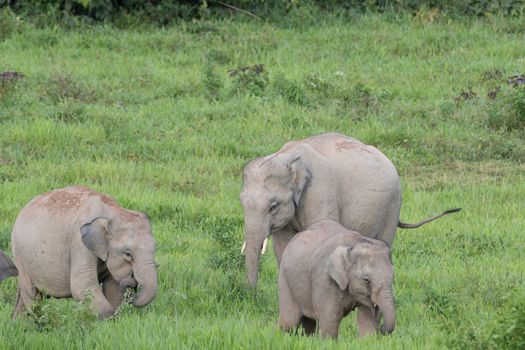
(326,272)
(7,267)
(68,241)
(329,176)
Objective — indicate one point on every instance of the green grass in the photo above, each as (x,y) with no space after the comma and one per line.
(152,117)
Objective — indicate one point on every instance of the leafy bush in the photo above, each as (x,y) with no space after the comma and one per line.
(289,90)
(7,82)
(63,86)
(9,23)
(250,79)
(507,113)
(125,306)
(51,314)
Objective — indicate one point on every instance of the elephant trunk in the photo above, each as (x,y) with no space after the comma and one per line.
(254,241)
(146,276)
(387,307)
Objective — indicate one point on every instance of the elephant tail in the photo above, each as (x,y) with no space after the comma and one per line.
(421,223)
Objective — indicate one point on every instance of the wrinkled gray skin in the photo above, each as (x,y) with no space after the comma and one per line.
(7,267)
(68,241)
(329,176)
(326,272)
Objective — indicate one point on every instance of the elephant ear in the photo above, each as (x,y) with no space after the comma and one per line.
(338,265)
(301,178)
(95,237)
(7,267)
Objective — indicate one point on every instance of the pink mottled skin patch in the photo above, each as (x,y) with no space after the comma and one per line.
(72,197)
(346,145)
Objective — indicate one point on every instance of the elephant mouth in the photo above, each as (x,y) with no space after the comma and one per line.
(129,282)
(375,310)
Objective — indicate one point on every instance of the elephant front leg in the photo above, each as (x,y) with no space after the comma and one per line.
(329,317)
(81,290)
(84,284)
(367,321)
(114,291)
(289,311)
(279,240)
(329,325)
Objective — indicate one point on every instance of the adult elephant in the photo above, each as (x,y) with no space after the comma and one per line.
(328,176)
(68,241)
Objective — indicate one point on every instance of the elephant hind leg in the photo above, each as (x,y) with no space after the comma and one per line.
(26,293)
(309,325)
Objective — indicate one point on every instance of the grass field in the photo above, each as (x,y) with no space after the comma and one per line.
(152,117)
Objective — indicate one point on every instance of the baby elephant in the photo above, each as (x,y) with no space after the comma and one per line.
(7,267)
(68,241)
(326,272)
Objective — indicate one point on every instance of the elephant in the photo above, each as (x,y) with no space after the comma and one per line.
(7,267)
(328,176)
(69,241)
(326,272)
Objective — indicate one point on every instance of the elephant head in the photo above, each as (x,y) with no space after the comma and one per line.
(126,245)
(272,189)
(366,270)
(7,267)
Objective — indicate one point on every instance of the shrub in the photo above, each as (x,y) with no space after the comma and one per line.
(250,79)
(7,82)
(52,314)
(163,12)
(507,112)
(289,90)
(9,22)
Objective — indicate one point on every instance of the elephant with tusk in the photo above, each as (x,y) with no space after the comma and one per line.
(69,241)
(326,272)
(328,176)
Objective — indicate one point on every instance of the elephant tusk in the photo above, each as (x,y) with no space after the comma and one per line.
(263,250)
(265,243)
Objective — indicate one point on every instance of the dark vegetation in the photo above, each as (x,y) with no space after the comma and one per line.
(164,12)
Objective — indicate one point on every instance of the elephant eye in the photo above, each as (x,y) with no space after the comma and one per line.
(273,206)
(128,256)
